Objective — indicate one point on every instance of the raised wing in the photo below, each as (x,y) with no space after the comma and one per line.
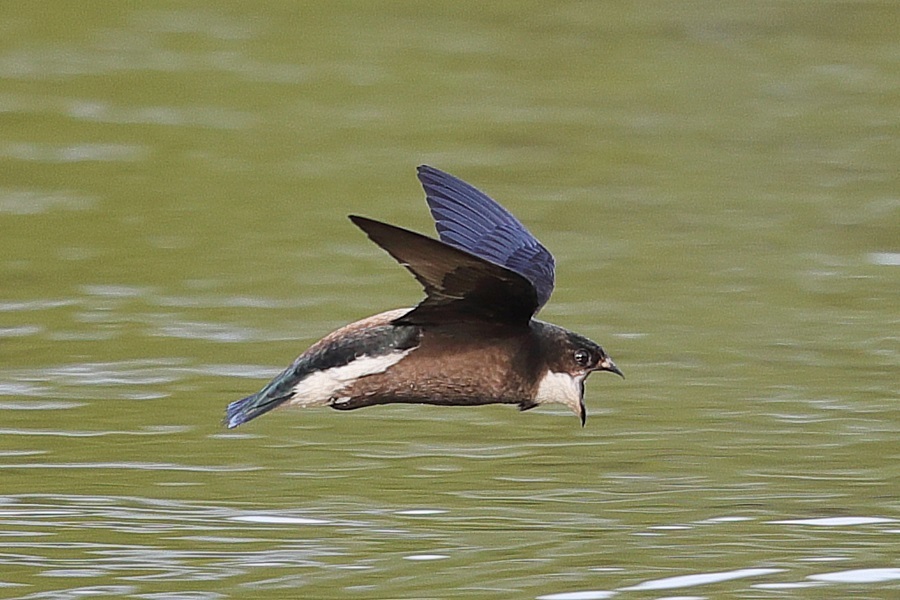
(469,220)
(458,285)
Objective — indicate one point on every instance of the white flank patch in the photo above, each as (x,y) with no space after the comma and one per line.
(560,388)
(319,388)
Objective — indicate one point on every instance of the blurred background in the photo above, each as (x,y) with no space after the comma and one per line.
(717,180)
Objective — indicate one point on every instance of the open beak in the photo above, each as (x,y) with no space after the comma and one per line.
(608,365)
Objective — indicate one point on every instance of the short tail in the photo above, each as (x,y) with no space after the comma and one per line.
(246,409)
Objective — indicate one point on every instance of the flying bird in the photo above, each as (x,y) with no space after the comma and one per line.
(472,340)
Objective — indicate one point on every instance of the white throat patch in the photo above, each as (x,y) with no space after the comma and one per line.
(319,388)
(560,388)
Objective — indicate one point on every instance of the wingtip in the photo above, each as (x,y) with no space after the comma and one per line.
(371,227)
(424,172)
(364,223)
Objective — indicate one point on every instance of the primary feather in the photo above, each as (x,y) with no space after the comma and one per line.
(468,219)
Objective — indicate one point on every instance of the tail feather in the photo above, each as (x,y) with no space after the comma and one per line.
(246,409)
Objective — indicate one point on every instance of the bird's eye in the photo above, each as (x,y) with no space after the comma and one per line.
(582,357)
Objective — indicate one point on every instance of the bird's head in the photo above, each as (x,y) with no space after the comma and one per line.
(569,359)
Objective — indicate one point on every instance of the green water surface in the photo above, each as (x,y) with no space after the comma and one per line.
(717,180)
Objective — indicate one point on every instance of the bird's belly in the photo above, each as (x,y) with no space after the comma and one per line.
(354,402)
(438,390)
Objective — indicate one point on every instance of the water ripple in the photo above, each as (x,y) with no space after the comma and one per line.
(682,581)
(37,201)
(859,576)
(140,466)
(32,404)
(836,521)
(74,153)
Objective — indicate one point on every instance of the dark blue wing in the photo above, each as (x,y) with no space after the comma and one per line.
(468,219)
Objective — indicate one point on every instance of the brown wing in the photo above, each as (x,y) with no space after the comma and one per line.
(458,285)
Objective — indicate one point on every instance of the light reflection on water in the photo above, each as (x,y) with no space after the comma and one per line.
(184,543)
